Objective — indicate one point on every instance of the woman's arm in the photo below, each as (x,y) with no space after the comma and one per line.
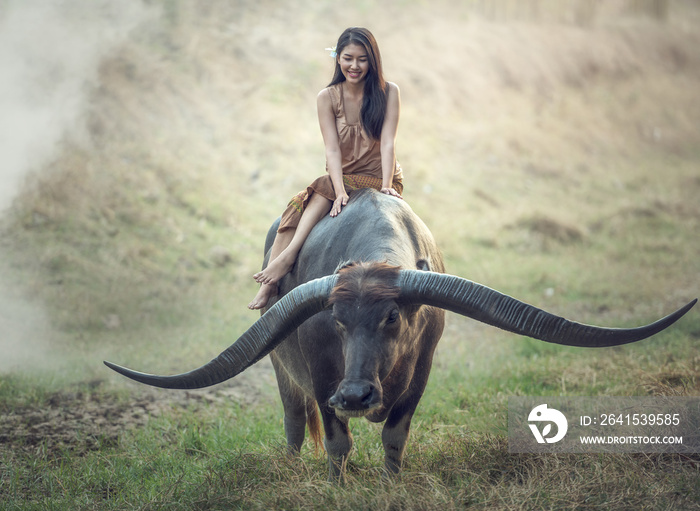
(388,138)
(326,119)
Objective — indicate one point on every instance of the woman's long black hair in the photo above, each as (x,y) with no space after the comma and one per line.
(374,97)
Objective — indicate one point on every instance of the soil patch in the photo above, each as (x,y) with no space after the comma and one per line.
(92,417)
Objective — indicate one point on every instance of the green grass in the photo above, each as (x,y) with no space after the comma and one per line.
(233,457)
(193,454)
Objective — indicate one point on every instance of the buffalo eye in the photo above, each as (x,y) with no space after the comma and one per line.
(393,316)
(339,326)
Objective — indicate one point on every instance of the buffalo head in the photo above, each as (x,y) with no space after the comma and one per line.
(374,333)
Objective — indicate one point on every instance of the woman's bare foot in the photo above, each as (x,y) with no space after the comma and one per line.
(266,292)
(276,269)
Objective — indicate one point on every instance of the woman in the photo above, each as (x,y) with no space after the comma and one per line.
(359,115)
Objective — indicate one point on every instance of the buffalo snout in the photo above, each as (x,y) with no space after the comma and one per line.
(356,397)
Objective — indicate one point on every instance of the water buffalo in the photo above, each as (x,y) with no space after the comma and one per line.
(357,321)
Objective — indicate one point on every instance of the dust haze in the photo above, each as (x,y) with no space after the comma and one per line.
(49,55)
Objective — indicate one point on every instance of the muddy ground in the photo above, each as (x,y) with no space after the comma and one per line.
(86,419)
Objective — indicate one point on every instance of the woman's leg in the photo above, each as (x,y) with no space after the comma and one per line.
(285,249)
(267,291)
(278,267)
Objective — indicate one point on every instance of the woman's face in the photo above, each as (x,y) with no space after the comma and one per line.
(354,63)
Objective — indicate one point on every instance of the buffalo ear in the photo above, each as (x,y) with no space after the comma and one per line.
(412,308)
(345,264)
(423,265)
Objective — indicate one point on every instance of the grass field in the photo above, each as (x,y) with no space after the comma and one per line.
(555,159)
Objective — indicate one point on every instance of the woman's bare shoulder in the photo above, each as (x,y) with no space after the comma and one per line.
(325,96)
(392,93)
(392,87)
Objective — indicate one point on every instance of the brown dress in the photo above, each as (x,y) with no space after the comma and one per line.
(361,164)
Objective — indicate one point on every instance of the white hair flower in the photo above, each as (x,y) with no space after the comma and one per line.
(332,51)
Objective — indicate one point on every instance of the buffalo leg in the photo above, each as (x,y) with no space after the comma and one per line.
(294,405)
(398,424)
(338,443)
(395,435)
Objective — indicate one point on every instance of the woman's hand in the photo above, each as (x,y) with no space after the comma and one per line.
(338,204)
(391,191)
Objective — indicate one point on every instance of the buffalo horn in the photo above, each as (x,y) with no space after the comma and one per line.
(489,306)
(260,339)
